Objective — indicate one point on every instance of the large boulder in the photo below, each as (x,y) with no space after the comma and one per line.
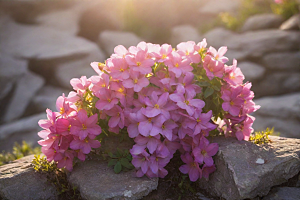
(214,7)
(277,83)
(285,61)
(218,37)
(18,180)
(262,21)
(258,43)
(251,71)
(184,33)
(24,129)
(95,180)
(26,87)
(38,42)
(283,107)
(246,170)
(108,40)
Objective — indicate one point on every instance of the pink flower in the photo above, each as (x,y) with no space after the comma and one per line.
(107,100)
(117,117)
(218,55)
(187,49)
(84,145)
(157,105)
(177,65)
(232,102)
(234,75)
(151,142)
(140,62)
(213,67)
(118,68)
(65,108)
(81,84)
(245,129)
(136,81)
(85,126)
(100,83)
(164,53)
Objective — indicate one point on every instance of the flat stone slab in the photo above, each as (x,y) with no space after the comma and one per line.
(18,180)
(245,170)
(96,181)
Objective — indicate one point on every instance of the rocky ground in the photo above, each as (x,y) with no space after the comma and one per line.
(45,44)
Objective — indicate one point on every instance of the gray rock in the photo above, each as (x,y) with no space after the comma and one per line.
(18,180)
(63,20)
(286,127)
(46,98)
(76,68)
(238,55)
(214,7)
(286,61)
(10,70)
(184,33)
(277,83)
(283,193)
(262,21)
(37,42)
(238,176)
(251,71)
(24,90)
(24,129)
(218,37)
(97,181)
(110,39)
(292,23)
(284,107)
(258,43)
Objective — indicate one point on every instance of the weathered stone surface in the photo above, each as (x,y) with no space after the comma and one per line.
(262,21)
(76,68)
(184,33)
(216,6)
(46,98)
(277,83)
(218,37)
(96,181)
(258,43)
(110,39)
(24,129)
(232,54)
(292,23)
(285,61)
(286,127)
(37,42)
(238,176)
(64,20)
(10,70)
(284,107)
(18,180)
(251,71)
(24,90)
(283,193)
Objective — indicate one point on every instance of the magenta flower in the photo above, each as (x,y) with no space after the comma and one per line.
(135,119)
(85,126)
(158,105)
(151,142)
(107,100)
(205,151)
(206,170)
(100,83)
(187,102)
(232,102)
(201,121)
(191,167)
(136,81)
(141,161)
(218,55)
(157,162)
(117,117)
(81,84)
(64,107)
(66,161)
(234,75)
(243,133)
(163,126)
(213,67)
(85,145)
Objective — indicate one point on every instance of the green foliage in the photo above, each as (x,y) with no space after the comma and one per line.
(18,152)
(286,9)
(56,176)
(121,160)
(262,137)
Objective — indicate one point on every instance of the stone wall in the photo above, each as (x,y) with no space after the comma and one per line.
(43,44)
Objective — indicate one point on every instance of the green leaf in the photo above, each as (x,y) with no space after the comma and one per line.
(203,84)
(125,162)
(112,162)
(216,88)
(111,155)
(209,91)
(118,167)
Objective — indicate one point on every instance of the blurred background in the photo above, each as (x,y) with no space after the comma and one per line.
(45,43)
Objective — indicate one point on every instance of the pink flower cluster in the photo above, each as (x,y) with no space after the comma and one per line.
(152,92)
